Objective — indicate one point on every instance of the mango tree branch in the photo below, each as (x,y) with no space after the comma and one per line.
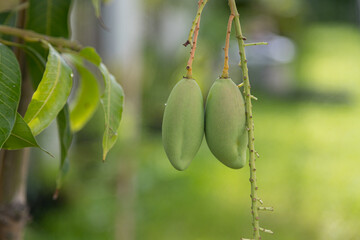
(225,73)
(250,124)
(32,36)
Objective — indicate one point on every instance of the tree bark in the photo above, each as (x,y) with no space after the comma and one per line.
(13,209)
(14,166)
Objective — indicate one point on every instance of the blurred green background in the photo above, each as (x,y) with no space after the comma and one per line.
(306,125)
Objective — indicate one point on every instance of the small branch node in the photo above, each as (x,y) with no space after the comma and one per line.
(271,209)
(193,28)
(240,37)
(186,43)
(266,230)
(241,84)
(254,44)
(253,97)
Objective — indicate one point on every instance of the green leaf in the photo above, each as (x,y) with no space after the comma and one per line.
(65,137)
(112,101)
(37,60)
(36,65)
(49,17)
(10,90)
(97,7)
(87,96)
(51,94)
(36,71)
(8,19)
(21,136)
(90,54)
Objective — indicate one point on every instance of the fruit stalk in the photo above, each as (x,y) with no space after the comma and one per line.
(201,4)
(225,73)
(249,121)
(193,44)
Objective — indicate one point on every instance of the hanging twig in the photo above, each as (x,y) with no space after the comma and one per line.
(225,73)
(194,23)
(193,46)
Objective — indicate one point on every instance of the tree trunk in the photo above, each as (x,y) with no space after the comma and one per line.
(13,209)
(13,168)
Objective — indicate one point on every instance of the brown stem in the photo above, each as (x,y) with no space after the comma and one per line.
(225,73)
(193,47)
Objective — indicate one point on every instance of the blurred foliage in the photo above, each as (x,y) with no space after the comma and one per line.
(307,139)
(307,171)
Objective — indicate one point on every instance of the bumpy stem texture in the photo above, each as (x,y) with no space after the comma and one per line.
(193,47)
(249,121)
(194,40)
(201,4)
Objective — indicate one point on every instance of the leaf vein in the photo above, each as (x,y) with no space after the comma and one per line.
(23,139)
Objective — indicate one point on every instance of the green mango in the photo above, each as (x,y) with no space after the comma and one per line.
(183,123)
(225,123)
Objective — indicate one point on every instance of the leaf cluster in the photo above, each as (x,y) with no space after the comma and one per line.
(50,67)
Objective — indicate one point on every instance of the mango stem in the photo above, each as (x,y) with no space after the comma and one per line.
(201,5)
(193,45)
(225,73)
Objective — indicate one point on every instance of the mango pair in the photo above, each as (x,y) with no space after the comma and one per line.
(225,123)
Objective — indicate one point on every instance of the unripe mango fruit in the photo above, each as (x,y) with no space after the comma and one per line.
(225,123)
(183,123)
